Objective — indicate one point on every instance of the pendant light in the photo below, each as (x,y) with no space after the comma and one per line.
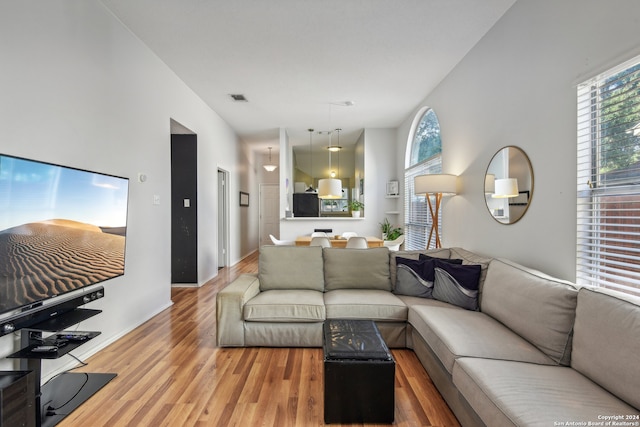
(270,167)
(336,149)
(310,189)
(330,188)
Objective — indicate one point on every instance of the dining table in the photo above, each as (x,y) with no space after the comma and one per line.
(340,242)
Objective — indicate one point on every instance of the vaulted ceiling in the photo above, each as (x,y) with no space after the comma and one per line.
(301,63)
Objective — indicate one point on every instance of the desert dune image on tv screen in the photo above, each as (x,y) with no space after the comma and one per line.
(60,229)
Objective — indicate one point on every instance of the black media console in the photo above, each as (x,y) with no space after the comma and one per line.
(65,392)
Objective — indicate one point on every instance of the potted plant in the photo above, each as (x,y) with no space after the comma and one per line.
(355,207)
(389,232)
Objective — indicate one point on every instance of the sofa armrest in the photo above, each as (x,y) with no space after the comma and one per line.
(229,305)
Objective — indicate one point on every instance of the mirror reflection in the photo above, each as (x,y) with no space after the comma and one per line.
(508,185)
(314,164)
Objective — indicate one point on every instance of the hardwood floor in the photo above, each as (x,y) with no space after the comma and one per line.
(170,373)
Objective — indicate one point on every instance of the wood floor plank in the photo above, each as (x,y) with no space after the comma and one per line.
(170,373)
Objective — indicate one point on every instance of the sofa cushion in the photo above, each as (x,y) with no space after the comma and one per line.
(457,284)
(537,307)
(606,341)
(449,260)
(285,306)
(364,304)
(291,267)
(283,334)
(505,393)
(414,277)
(453,333)
(356,269)
(435,253)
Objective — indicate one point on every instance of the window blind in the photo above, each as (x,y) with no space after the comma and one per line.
(608,179)
(416,210)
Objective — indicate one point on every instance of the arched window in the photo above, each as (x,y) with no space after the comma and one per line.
(423,156)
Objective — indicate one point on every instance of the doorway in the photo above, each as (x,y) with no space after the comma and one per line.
(184,208)
(223,219)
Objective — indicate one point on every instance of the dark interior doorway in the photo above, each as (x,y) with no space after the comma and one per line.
(184,209)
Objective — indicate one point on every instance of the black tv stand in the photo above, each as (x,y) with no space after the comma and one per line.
(64,393)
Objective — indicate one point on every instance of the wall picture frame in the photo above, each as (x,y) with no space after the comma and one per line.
(393,188)
(244,199)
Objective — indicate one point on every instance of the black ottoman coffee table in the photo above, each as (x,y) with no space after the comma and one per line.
(359,373)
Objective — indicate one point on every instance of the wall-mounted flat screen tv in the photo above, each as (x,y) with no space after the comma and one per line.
(61,229)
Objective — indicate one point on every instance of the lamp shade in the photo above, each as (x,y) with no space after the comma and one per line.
(435,183)
(506,188)
(329,189)
(270,167)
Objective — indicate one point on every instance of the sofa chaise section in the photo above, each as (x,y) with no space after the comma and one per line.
(506,393)
(602,379)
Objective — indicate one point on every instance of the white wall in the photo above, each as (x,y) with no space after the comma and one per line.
(518,87)
(244,219)
(79,89)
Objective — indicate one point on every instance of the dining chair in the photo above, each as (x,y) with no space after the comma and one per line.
(348,234)
(320,241)
(318,234)
(278,242)
(357,242)
(394,245)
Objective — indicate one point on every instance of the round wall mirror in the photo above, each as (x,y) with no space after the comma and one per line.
(508,185)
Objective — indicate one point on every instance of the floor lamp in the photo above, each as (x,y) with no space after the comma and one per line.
(438,185)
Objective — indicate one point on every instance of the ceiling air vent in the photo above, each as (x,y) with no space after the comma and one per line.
(238,97)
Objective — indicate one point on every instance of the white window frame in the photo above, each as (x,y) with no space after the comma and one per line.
(608,197)
(417,220)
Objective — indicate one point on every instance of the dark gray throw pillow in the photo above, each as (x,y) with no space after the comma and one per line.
(457,284)
(414,277)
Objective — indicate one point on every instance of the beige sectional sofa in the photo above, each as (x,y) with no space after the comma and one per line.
(538,351)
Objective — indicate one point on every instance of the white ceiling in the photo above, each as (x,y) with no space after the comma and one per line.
(299,61)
